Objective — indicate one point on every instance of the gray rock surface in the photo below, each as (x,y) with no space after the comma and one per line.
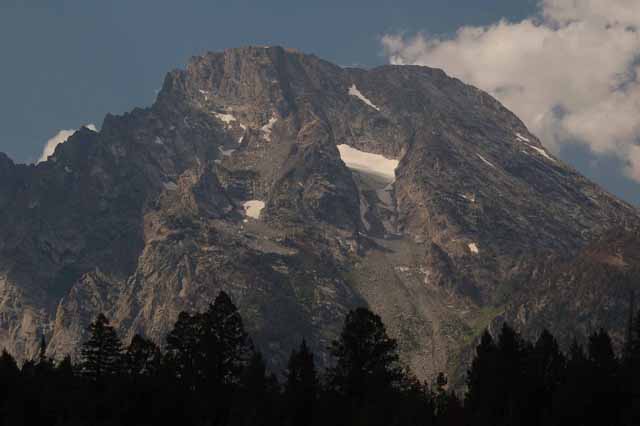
(146,218)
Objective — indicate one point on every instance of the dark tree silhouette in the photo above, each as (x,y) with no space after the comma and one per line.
(225,346)
(482,380)
(368,377)
(210,374)
(633,372)
(302,386)
(366,357)
(182,347)
(545,372)
(142,357)
(604,368)
(102,353)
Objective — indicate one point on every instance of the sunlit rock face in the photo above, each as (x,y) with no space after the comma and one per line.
(303,189)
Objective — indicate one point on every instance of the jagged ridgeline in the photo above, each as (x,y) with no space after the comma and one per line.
(304,189)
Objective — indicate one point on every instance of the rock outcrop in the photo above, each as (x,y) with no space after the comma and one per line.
(233,180)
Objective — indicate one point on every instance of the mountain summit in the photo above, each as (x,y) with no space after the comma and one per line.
(302,189)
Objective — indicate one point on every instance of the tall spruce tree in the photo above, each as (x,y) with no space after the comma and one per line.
(182,347)
(482,379)
(634,372)
(224,346)
(603,380)
(301,386)
(544,373)
(101,355)
(142,357)
(367,360)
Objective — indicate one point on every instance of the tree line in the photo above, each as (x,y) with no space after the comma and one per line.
(210,373)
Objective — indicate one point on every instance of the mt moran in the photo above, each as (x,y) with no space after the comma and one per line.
(304,189)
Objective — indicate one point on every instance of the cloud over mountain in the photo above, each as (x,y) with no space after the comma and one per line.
(572,72)
(60,137)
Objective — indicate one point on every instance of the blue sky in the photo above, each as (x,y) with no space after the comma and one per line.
(69,62)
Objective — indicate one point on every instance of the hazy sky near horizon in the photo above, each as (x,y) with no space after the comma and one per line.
(66,63)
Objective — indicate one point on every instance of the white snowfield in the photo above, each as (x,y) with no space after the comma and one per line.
(542,152)
(538,150)
(353,91)
(474,248)
(253,208)
(170,186)
(225,118)
(158,140)
(226,152)
(484,160)
(266,129)
(368,163)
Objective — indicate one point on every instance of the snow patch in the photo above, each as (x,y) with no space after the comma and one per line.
(353,91)
(368,163)
(474,248)
(522,138)
(170,186)
(158,140)
(68,169)
(471,198)
(225,118)
(253,208)
(226,152)
(267,128)
(484,160)
(241,139)
(542,152)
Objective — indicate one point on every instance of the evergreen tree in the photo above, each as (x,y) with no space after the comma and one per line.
(367,375)
(102,353)
(634,370)
(635,342)
(65,368)
(571,398)
(482,381)
(9,381)
(440,395)
(42,350)
(513,387)
(604,408)
(545,372)
(225,347)
(44,364)
(182,346)
(601,353)
(258,393)
(142,357)
(301,388)
(549,362)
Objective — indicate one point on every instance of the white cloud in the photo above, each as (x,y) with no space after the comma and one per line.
(571,73)
(60,137)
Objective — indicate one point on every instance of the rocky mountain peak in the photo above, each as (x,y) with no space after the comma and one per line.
(302,189)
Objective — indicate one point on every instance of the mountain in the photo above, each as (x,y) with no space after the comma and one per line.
(303,189)
(588,287)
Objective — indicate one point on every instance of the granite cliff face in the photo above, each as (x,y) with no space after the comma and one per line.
(265,172)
